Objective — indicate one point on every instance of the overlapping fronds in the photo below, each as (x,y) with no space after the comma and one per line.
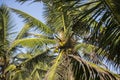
(101,17)
(88,52)
(86,71)
(36,75)
(20,75)
(71,18)
(34,65)
(75,68)
(50,11)
(39,59)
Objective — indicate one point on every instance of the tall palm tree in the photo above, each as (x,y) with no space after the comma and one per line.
(66,30)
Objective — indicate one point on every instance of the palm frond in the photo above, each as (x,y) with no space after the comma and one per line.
(32,42)
(23,56)
(10,68)
(100,17)
(23,1)
(34,65)
(57,9)
(5,25)
(38,73)
(33,21)
(88,47)
(19,75)
(39,35)
(88,52)
(36,76)
(114,8)
(32,62)
(52,73)
(87,71)
(23,31)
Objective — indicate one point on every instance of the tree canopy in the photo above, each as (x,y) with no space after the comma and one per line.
(79,35)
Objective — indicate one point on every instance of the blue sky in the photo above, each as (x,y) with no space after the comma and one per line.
(34,9)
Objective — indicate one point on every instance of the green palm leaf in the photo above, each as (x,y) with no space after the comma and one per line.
(6,33)
(20,75)
(5,25)
(87,71)
(35,64)
(52,73)
(33,61)
(23,31)
(32,42)
(33,21)
(102,18)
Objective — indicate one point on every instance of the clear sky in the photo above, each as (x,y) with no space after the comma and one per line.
(34,9)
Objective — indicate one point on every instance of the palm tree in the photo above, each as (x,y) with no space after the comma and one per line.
(11,64)
(72,21)
(5,34)
(102,17)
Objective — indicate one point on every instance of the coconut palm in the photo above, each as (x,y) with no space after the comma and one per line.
(103,18)
(67,24)
(10,60)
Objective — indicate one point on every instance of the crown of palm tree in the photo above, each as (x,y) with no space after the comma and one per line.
(67,23)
